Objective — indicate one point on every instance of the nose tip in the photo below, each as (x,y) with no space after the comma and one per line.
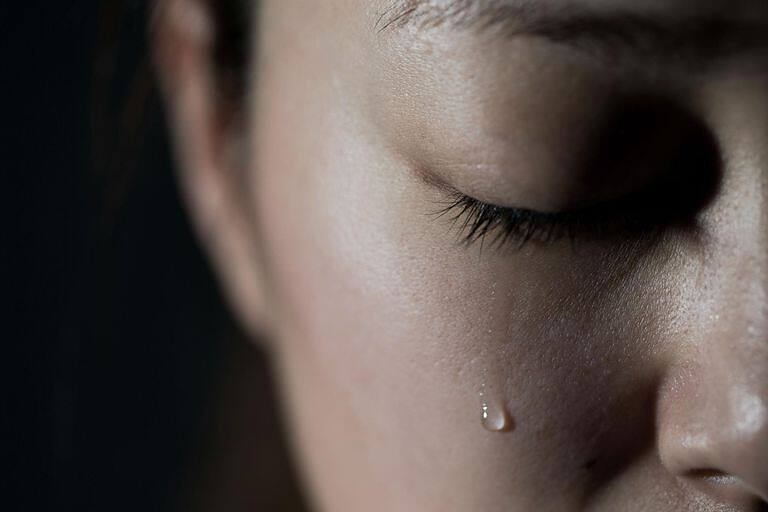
(719,445)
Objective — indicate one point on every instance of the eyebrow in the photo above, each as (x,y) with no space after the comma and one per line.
(610,34)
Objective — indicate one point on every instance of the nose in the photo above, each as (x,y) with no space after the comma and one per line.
(714,423)
(712,408)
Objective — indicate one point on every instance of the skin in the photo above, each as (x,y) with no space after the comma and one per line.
(634,372)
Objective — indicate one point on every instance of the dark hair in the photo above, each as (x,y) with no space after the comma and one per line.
(124,98)
(233,20)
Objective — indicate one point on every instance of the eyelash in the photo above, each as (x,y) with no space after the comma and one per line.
(480,222)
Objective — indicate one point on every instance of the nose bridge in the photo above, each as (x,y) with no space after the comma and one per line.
(738,223)
(732,353)
(743,295)
(740,241)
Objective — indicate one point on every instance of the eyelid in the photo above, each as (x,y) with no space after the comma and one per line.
(477,220)
(516,227)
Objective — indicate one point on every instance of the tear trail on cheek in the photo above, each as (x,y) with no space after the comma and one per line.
(494,412)
(494,416)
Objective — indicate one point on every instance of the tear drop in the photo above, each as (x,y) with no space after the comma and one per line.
(495,417)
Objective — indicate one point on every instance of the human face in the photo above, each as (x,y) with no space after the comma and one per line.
(517,252)
(611,369)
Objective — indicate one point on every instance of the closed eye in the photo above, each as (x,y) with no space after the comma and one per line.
(670,203)
(673,148)
(488,224)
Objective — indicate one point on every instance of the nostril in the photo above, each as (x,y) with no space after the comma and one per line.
(712,477)
(724,487)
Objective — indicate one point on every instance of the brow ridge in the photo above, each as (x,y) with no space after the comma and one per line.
(692,39)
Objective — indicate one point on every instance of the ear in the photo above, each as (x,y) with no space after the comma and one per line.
(210,161)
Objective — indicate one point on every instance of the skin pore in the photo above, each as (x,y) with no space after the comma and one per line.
(613,308)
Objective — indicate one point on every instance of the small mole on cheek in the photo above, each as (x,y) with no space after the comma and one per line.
(590,464)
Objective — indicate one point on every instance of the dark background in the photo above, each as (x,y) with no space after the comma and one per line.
(127,384)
